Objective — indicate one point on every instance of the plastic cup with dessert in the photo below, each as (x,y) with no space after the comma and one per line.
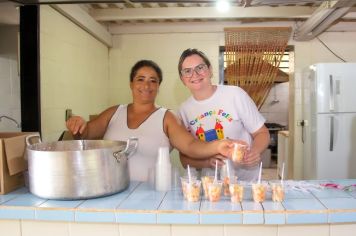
(226,183)
(193,190)
(278,191)
(214,191)
(237,190)
(259,191)
(184,182)
(206,180)
(239,152)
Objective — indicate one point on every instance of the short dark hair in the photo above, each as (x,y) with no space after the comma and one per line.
(189,52)
(146,63)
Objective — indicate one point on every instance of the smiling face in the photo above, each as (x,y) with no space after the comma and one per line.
(196,74)
(145,85)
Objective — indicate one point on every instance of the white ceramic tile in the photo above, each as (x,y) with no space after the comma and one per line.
(83,70)
(93,229)
(253,230)
(194,230)
(10,227)
(134,230)
(43,228)
(342,229)
(305,230)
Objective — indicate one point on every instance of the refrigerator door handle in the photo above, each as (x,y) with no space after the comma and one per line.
(331,142)
(332,97)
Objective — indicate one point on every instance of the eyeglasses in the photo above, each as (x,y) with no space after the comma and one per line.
(199,69)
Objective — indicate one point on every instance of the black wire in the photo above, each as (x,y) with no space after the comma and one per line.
(330,50)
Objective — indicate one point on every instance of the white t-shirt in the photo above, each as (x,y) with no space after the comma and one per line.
(228,113)
(150,136)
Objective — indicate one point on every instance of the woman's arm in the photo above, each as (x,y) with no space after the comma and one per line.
(260,142)
(187,144)
(208,162)
(94,129)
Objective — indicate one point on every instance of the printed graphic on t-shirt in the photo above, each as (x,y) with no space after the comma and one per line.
(210,133)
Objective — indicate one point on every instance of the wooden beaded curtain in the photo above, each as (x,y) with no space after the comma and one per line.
(252,57)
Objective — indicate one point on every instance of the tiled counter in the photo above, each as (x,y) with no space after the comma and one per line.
(169,214)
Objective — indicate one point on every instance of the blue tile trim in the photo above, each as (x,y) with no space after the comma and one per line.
(307,218)
(253,218)
(177,218)
(221,218)
(275,218)
(54,215)
(342,217)
(23,214)
(137,218)
(86,216)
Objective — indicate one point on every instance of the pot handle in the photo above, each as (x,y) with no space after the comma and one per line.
(130,148)
(29,137)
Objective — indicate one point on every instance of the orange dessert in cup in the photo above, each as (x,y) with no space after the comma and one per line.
(277,192)
(184,182)
(239,152)
(214,191)
(227,181)
(259,192)
(193,191)
(236,192)
(206,180)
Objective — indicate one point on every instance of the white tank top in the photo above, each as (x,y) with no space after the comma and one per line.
(150,136)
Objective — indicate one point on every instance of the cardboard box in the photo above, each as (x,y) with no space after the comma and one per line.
(12,160)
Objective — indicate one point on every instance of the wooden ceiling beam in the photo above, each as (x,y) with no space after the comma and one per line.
(201,13)
(327,14)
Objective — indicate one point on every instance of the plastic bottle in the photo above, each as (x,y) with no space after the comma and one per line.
(163,177)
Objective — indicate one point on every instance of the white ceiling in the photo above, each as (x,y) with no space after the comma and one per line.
(311,17)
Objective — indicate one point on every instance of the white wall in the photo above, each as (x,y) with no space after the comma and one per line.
(10,104)
(74,72)
(165,50)
(275,108)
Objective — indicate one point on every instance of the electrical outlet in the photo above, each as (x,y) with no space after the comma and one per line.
(302,123)
(68,114)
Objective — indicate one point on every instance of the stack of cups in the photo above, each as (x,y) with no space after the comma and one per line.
(163,175)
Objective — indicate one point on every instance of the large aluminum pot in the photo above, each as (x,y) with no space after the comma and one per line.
(78,169)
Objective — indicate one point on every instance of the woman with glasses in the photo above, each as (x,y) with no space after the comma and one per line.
(154,126)
(217,112)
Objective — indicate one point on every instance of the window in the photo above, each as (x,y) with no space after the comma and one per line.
(284,66)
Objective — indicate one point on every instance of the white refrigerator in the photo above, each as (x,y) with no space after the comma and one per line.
(329,123)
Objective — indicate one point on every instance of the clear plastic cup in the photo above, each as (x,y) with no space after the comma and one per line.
(226,182)
(239,152)
(237,191)
(206,180)
(184,182)
(277,191)
(193,190)
(214,191)
(259,192)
